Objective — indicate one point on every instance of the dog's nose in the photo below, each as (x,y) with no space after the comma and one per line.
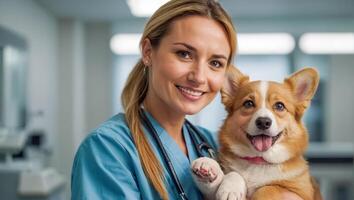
(263,123)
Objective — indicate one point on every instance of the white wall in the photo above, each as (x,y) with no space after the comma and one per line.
(71,92)
(39,28)
(69,76)
(340,96)
(99,75)
(84,87)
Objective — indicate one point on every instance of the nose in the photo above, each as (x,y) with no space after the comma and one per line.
(263,123)
(197,74)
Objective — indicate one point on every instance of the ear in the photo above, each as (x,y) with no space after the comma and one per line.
(234,80)
(146,50)
(303,84)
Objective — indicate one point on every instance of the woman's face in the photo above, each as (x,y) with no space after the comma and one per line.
(188,67)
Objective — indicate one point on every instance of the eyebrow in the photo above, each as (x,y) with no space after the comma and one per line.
(219,56)
(186,45)
(194,49)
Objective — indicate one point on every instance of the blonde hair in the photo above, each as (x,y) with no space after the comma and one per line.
(136,87)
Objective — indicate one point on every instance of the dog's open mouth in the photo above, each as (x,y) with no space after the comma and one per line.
(263,142)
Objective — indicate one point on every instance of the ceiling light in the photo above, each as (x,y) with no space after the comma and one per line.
(248,44)
(144,8)
(265,43)
(125,44)
(327,43)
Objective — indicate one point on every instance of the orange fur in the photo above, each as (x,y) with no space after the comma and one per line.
(289,174)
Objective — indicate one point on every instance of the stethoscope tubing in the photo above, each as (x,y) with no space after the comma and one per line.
(203,144)
(167,159)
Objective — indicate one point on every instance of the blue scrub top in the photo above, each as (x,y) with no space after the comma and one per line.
(107,164)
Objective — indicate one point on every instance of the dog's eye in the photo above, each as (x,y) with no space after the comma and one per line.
(248,104)
(279,106)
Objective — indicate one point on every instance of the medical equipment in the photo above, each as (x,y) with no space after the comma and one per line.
(199,142)
(26,178)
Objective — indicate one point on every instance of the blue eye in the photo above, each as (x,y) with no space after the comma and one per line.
(184,54)
(248,104)
(279,106)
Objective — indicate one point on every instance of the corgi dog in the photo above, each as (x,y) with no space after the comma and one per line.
(262,140)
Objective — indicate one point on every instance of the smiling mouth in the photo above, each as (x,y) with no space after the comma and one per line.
(190,92)
(263,142)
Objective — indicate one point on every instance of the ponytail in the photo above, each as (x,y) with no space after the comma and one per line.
(133,96)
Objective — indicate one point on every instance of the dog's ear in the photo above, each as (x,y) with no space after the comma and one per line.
(303,85)
(234,79)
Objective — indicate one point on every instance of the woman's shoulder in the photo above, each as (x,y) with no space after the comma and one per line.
(113,132)
(116,126)
(109,142)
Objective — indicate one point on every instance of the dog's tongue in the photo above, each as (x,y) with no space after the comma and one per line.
(262,142)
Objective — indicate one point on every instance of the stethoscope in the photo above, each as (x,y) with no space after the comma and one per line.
(202,147)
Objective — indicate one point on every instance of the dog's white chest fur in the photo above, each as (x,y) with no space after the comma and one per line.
(256,176)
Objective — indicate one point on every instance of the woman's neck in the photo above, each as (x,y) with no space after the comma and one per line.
(170,120)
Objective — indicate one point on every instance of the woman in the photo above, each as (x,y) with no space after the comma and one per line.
(187,45)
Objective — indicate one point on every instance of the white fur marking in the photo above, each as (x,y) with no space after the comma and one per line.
(260,175)
(233,186)
(263,112)
(277,154)
(263,88)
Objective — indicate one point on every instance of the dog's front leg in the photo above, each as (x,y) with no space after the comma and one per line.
(207,174)
(232,187)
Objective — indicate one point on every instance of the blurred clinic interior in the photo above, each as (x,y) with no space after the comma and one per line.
(63,64)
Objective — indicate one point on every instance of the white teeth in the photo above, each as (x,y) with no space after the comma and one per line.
(190,92)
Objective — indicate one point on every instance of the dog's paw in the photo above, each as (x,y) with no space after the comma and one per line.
(207,174)
(206,169)
(233,187)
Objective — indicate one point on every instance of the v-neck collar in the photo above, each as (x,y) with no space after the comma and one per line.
(180,161)
(170,144)
(155,124)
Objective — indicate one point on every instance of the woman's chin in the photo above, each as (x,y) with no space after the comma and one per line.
(192,109)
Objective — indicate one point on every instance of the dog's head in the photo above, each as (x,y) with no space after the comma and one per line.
(264,117)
